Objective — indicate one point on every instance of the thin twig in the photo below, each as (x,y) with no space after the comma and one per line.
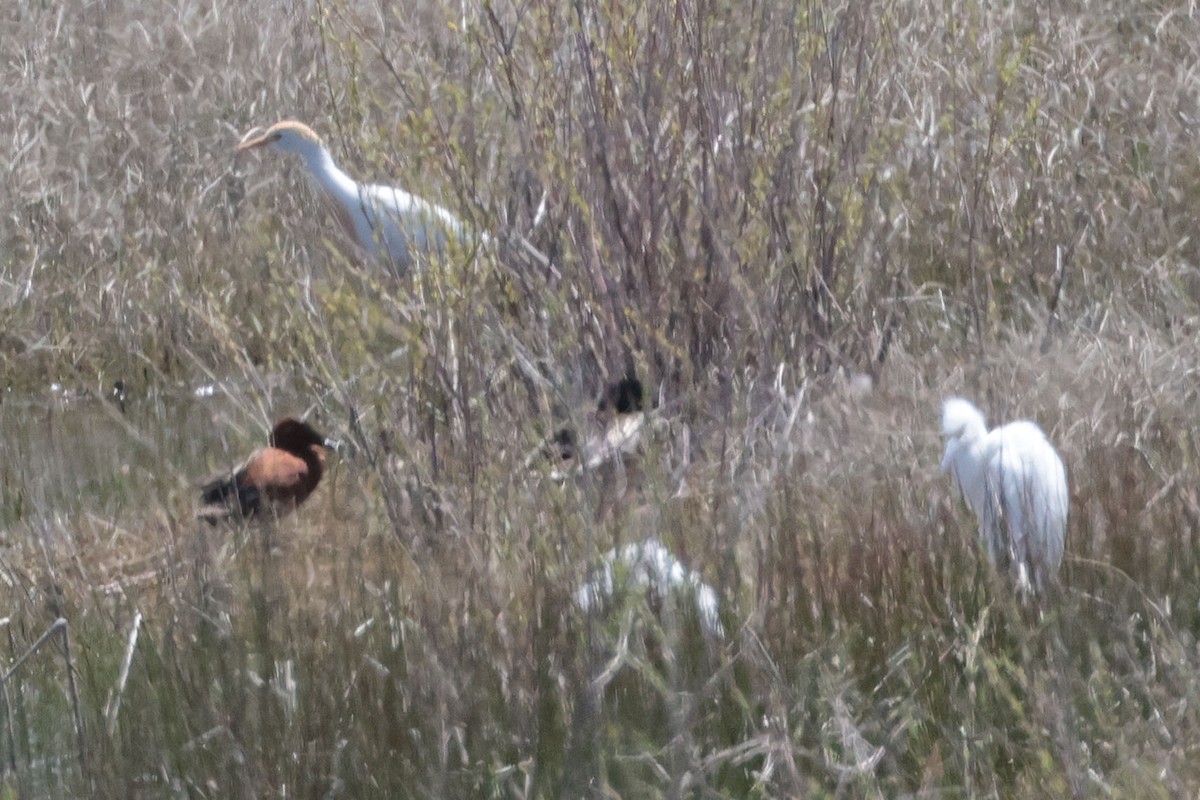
(58,626)
(73,691)
(10,722)
(131,645)
(1063,262)
(53,629)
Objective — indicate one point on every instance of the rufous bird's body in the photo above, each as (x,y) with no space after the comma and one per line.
(274,480)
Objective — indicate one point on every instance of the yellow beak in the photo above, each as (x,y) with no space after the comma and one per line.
(253,138)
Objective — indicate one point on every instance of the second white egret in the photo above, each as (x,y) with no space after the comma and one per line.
(649,566)
(1016,484)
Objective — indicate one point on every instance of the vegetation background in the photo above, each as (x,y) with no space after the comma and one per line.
(755,207)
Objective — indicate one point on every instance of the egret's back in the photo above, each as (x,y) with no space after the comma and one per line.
(1031,483)
(405,224)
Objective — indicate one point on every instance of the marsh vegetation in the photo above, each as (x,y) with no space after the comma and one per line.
(753,207)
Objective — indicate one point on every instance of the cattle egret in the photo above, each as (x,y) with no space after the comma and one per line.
(649,566)
(1016,484)
(389,224)
(274,479)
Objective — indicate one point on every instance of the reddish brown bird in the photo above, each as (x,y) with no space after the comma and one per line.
(274,480)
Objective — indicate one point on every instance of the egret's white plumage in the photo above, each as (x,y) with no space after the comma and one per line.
(389,224)
(1016,484)
(650,566)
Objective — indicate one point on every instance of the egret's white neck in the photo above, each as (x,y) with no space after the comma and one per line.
(965,460)
(327,174)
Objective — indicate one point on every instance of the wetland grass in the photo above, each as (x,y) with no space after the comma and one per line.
(749,207)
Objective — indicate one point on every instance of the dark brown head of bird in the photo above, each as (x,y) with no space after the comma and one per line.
(563,444)
(623,397)
(295,437)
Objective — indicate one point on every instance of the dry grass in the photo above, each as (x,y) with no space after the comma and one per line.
(744,204)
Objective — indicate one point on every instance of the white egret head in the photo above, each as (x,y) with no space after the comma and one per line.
(288,136)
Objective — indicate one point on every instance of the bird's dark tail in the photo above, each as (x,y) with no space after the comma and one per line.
(225,498)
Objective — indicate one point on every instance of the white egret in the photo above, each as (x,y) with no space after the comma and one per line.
(389,224)
(1016,484)
(650,566)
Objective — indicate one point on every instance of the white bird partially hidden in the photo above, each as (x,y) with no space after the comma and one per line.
(649,566)
(388,224)
(1016,484)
